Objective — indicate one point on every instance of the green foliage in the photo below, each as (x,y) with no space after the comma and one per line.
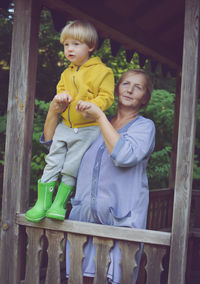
(38,150)
(118,63)
(159,168)
(161,111)
(51,61)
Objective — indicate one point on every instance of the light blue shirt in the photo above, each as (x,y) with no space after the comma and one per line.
(113,189)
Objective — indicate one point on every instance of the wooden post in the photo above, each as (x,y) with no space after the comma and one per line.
(19,137)
(175,131)
(186,141)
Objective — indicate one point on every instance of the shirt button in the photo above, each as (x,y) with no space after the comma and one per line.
(75,130)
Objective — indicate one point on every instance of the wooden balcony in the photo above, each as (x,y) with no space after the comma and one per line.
(44,255)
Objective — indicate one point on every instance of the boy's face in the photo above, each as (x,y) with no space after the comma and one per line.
(76,51)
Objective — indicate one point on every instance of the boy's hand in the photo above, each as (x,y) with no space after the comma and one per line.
(89,110)
(61,101)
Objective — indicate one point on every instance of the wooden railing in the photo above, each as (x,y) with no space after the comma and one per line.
(160,209)
(45,252)
(155,247)
(193,256)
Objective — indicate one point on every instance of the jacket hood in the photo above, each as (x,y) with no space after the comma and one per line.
(88,63)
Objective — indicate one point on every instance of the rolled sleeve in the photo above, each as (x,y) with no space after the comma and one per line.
(134,146)
(47,144)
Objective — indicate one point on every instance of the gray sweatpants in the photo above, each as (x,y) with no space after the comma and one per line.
(66,152)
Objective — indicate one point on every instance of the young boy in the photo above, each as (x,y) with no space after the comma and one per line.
(86,79)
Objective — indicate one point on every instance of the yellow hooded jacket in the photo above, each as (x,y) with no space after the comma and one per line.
(94,82)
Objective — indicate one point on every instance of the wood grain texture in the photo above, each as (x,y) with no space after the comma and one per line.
(102,260)
(20,113)
(186,141)
(55,252)
(76,257)
(128,261)
(175,132)
(33,255)
(154,265)
(90,229)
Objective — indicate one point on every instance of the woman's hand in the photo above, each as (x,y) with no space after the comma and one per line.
(89,110)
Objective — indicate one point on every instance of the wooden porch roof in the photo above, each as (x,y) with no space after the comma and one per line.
(152,28)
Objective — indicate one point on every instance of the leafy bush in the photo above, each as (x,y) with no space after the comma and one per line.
(38,150)
(161,111)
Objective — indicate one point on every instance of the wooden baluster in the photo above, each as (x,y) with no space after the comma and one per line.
(76,257)
(154,265)
(162,213)
(149,217)
(128,261)
(154,214)
(54,251)
(102,259)
(33,253)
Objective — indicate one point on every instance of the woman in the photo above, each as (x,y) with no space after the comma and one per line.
(112,188)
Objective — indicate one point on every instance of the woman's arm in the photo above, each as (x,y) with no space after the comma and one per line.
(109,134)
(58,105)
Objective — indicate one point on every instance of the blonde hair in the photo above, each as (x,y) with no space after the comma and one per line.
(149,84)
(82,31)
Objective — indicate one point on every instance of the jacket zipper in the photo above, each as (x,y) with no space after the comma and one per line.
(69,105)
(69,117)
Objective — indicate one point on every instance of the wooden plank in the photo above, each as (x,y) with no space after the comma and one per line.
(76,257)
(154,266)
(128,261)
(118,233)
(102,259)
(175,131)
(186,141)
(55,251)
(109,32)
(18,136)
(33,255)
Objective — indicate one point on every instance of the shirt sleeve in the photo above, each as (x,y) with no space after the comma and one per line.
(134,145)
(47,144)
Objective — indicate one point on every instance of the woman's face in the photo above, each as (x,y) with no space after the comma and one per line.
(132,91)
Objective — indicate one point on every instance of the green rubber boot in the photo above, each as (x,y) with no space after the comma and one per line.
(44,201)
(58,208)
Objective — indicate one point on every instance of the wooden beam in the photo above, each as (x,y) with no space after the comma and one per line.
(65,8)
(118,233)
(175,132)
(18,136)
(186,142)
